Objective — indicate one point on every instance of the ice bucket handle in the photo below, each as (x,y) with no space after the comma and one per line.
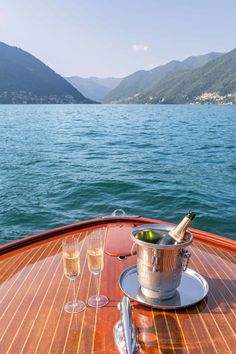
(133,251)
(186,258)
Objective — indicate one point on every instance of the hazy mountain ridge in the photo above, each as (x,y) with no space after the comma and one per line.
(109,82)
(141,81)
(93,87)
(25,79)
(209,78)
(195,62)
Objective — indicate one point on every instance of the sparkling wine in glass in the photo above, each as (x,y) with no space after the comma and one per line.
(95,257)
(71,262)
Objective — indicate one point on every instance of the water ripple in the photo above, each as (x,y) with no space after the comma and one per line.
(60,164)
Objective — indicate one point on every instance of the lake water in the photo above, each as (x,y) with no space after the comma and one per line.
(64,163)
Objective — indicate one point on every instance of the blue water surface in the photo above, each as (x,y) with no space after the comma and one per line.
(64,163)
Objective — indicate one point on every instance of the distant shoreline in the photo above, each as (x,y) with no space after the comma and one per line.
(120,104)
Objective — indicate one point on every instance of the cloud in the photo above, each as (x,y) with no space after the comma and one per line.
(140,47)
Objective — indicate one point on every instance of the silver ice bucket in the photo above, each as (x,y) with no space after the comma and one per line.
(160,267)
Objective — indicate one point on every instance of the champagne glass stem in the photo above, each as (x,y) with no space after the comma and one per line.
(74,292)
(96,277)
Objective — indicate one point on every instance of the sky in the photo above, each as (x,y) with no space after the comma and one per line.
(114,38)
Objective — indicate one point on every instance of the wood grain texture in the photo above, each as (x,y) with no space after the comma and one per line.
(33,291)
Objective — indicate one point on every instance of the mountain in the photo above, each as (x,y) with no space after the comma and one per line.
(211,82)
(94,87)
(142,80)
(25,79)
(109,82)
(194,62)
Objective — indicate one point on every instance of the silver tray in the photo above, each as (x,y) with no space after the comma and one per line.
(192,289)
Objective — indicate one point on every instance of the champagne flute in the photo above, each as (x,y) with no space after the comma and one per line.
(71,263)
(95,254)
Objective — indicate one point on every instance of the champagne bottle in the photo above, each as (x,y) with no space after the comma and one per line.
(149,236)
(177,234)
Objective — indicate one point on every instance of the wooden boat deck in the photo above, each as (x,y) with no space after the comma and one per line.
(33,291)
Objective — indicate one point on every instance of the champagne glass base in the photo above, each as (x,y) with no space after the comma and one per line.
(98,301)
(74,306)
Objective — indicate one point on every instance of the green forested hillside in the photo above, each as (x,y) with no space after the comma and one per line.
(142,81)
(218,76)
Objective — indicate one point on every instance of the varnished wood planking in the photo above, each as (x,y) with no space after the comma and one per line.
(34,306)
(24,303)
(221,303)
(34,289)
(17,280)
(224,326)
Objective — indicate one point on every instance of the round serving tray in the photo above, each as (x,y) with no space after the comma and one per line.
(192,289)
